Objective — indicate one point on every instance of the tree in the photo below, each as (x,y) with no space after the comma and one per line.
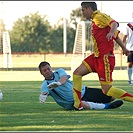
(56,35)
(30,34)
(33,33)
(76,16)
(2,26)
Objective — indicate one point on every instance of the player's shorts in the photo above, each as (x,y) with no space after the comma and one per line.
(102,65)
(130,57)
(96,95)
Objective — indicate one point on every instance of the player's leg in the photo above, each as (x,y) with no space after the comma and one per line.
(77,85)
(83,69)
(130,67)
(117,93)
(92,105)
(129,71)
(98,106)
(120,94)
(106,80)
(106,84)
(96,95)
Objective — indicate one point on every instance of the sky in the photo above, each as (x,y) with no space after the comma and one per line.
(10,11)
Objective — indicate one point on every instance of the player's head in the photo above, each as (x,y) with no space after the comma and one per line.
(45,70)
(93,5)
(88,8)
(42,64)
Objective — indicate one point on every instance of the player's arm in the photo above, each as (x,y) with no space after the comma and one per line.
(61,81)
(124,38)
(44,93)
(113,28)
(43,97)
(121,44)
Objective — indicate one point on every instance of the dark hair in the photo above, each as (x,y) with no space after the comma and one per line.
(93,5)
(42,64)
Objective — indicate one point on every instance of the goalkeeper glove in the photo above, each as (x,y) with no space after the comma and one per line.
(54,85)
(42,98)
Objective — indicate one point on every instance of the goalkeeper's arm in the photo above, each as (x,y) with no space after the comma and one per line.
(62,80)
(43,97)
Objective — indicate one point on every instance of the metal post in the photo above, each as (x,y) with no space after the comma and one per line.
(65,32)
(65,36)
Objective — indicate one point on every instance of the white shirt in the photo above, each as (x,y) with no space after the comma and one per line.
(129,40)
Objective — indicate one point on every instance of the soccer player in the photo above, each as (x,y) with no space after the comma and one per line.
(58,85)
(128,40)
(102,61)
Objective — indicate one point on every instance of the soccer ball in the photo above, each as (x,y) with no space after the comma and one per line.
(1,95)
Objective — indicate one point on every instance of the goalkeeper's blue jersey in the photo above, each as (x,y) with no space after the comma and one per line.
(63,95)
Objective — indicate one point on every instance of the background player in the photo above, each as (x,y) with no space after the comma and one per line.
(128,40)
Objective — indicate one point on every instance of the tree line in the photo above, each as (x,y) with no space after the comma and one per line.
(33,33)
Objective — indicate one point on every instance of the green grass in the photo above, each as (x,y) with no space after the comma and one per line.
(20,110)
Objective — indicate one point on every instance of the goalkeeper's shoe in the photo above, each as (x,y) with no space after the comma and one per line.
(114,104)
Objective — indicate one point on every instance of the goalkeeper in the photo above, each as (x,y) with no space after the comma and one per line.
(58,85)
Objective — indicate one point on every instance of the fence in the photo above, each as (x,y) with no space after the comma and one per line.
(25,61)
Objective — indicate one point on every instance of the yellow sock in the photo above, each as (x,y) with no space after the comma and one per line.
(77,89)
(120,94)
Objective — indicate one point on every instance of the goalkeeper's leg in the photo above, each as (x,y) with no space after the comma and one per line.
(98,106)
(120,94)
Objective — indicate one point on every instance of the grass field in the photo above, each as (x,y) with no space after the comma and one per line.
(35,75)
(20,110)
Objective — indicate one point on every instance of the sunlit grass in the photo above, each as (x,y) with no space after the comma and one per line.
(20,110)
